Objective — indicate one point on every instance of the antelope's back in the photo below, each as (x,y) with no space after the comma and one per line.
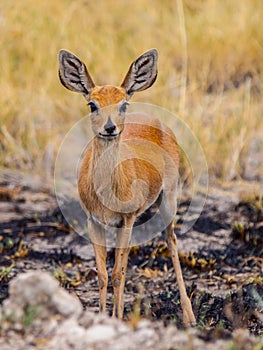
(153,134)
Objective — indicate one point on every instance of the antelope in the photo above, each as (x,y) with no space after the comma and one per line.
(130,165)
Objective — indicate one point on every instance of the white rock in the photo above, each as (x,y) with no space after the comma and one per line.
(100,333)
(66,304)
(40,290)
(69,333)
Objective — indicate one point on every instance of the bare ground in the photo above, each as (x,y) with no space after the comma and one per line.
(222,259)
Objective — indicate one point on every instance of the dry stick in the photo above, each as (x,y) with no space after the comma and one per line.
(180,9)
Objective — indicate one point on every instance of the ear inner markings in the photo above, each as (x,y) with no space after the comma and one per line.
(142,73)
(76,76)
(73,74)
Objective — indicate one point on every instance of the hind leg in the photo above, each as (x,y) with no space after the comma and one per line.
(171,239)
(168,209)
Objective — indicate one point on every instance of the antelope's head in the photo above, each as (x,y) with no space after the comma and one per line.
(107,103)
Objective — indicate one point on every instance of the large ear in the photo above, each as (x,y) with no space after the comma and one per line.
(142,73)
(73,74)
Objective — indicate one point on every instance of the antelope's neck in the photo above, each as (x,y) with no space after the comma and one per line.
(107,170)
(105,157)
(112,177)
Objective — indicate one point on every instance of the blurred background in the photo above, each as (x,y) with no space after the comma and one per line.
(210,73)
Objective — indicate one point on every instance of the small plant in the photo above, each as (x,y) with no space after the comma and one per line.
(239,230)
(135,315)
(248,233)
(21,251)
(231,346)
(192,260)
(255,200)
(31,312)
(68,280)
(6,243)
(64,280)
(5,272)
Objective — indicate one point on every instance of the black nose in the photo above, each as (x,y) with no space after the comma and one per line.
(109,127)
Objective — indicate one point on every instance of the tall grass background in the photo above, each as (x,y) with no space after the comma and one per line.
(210,72)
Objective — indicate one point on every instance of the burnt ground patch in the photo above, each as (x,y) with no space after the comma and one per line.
(221,257)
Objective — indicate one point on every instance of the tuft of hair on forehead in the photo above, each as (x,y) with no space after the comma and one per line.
(108,95)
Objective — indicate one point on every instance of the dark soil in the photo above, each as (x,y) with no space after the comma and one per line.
(221,257)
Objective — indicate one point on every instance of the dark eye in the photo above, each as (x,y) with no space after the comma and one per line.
(93,107)
(123,106)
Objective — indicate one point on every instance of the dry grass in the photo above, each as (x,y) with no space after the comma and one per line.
(210,70)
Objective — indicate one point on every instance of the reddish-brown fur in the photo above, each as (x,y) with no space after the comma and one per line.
(147,163)
(107,95)
(131,163)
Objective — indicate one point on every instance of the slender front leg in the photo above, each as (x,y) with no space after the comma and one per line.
(97,235)
(120,267)
(188,315)
(118,280)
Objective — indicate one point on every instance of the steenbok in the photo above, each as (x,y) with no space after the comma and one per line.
(130,165)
